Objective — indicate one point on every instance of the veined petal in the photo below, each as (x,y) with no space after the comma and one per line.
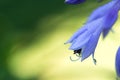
(110,19)
(76,34)
(74,1)
(108,24)
(101,11)
(117,63)
(87,50)
(90,27)
(80,41)
(92,43)
(83,38)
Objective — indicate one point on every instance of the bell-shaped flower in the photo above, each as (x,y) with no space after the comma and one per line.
(86,39)
(117,64)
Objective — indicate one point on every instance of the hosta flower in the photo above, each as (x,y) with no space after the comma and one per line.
(117,64)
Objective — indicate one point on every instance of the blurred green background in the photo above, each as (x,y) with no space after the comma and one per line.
(32,47)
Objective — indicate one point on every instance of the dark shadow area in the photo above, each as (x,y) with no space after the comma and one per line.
(18,25)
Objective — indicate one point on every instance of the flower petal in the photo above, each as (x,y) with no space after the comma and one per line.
(83,38)
(110,19)
(92,43)
(101,11)
(80,41)
(117,62)
(76,34)
(87,27)
(108,25)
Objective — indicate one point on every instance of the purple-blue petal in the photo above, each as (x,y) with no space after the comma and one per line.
(100,12)
(92,43)
(76,34)
(108,25)
(117,63)
(74,1)
(83,38)
(90,27)
(80,41)
(110,19)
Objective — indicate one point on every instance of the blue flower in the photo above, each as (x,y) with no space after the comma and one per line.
(101,11)
(110,10)
(86,38)
(74,1)
(117,63)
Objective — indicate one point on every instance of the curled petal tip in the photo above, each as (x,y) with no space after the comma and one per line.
(82,59)
(67,42)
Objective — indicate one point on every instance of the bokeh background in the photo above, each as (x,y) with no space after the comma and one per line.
(32,36)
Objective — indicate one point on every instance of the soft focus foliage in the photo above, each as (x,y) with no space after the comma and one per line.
(32,37)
